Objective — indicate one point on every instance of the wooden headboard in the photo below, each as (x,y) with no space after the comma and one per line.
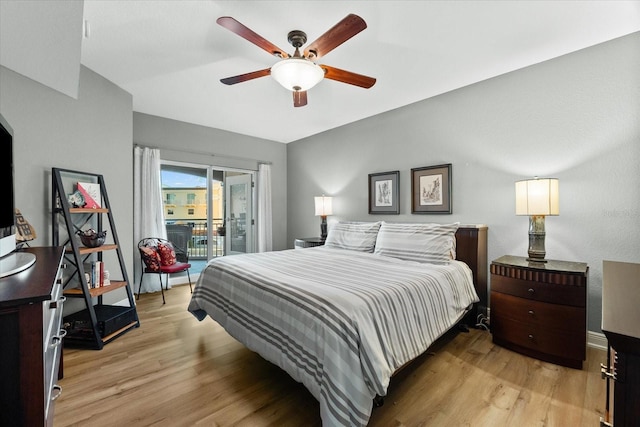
(471,248)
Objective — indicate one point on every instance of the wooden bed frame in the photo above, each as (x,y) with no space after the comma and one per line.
(471,248)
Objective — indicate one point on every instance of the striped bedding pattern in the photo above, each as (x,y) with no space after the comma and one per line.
(434,243)
(338,321)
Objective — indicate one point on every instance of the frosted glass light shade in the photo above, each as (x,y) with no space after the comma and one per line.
(538,197)
(324,205)
(297,74)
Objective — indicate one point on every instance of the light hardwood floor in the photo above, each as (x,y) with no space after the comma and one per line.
(176,371)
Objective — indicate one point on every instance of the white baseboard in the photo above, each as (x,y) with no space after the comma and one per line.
(597,340)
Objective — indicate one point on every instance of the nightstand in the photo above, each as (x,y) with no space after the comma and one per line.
(540,309)
(308,242)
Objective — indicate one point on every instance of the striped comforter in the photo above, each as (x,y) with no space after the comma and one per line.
(338,321)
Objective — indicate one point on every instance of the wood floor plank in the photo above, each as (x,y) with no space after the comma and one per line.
(176,371)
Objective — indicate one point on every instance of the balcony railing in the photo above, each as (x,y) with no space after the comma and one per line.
(197,242)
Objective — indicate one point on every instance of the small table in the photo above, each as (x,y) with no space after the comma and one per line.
(308,242)
(540,309)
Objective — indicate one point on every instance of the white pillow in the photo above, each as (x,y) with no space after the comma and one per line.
(356,236)
(432,243)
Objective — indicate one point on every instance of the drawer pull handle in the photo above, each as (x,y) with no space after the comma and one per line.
(57,340)
(531,337)
(57,303)
(531,291)
(606,374)
(531,313)
(56,392)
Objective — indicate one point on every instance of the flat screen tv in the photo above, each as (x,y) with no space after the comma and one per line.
(11,262)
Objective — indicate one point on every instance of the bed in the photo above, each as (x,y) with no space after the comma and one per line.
(343,317)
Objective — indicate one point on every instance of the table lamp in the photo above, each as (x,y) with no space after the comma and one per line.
(537,198)
(323,208)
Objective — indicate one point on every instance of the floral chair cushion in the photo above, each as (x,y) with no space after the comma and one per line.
(167,254)
(151,258)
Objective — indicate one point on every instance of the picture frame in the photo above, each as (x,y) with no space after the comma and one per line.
(384,193)
(431,190)
(91,193)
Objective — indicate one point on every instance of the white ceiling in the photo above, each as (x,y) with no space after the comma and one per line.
(171,55)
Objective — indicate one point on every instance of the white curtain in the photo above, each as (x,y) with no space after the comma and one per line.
(265,241)
(148,210)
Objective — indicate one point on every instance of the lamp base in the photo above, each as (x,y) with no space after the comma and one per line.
(536,239)
(323,227)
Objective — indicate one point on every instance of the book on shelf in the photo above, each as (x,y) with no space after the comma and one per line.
(95,274)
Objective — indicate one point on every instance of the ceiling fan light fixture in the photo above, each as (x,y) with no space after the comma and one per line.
(297,74)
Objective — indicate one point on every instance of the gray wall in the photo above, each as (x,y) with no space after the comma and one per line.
(89,134)
(575,118)
(190,143)
(94,133)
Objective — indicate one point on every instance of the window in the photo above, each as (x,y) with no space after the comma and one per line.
(191,211)
(170,198)
(169,211)
(191,198)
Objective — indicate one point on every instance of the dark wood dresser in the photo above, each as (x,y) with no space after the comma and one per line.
(621,326)
(540,309)
(31,337)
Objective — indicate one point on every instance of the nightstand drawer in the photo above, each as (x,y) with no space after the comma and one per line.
(540,340)
(540,314)
(574,295)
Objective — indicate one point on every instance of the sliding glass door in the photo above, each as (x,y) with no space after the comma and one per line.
(208,209)
(238,213)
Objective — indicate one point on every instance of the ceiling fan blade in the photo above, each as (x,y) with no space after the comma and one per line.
(243,31)
(335,36)
(244,77)
(343,76)
(299,98)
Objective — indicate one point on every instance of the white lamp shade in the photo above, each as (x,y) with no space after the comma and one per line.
(297,74)
(538,196)
(324,205)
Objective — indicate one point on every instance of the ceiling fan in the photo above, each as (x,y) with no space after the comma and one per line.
(298,72)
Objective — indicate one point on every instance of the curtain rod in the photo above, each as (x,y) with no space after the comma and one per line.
(202,153)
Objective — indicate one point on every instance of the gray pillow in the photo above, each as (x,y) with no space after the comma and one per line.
(355,236)
(432,243)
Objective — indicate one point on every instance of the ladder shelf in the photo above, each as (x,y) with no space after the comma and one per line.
(98,323)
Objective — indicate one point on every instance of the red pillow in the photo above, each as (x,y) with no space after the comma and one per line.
(151,258)
(167,254)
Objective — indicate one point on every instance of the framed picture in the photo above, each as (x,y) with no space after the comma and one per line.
(431,190)
(384,193)
(91,193)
